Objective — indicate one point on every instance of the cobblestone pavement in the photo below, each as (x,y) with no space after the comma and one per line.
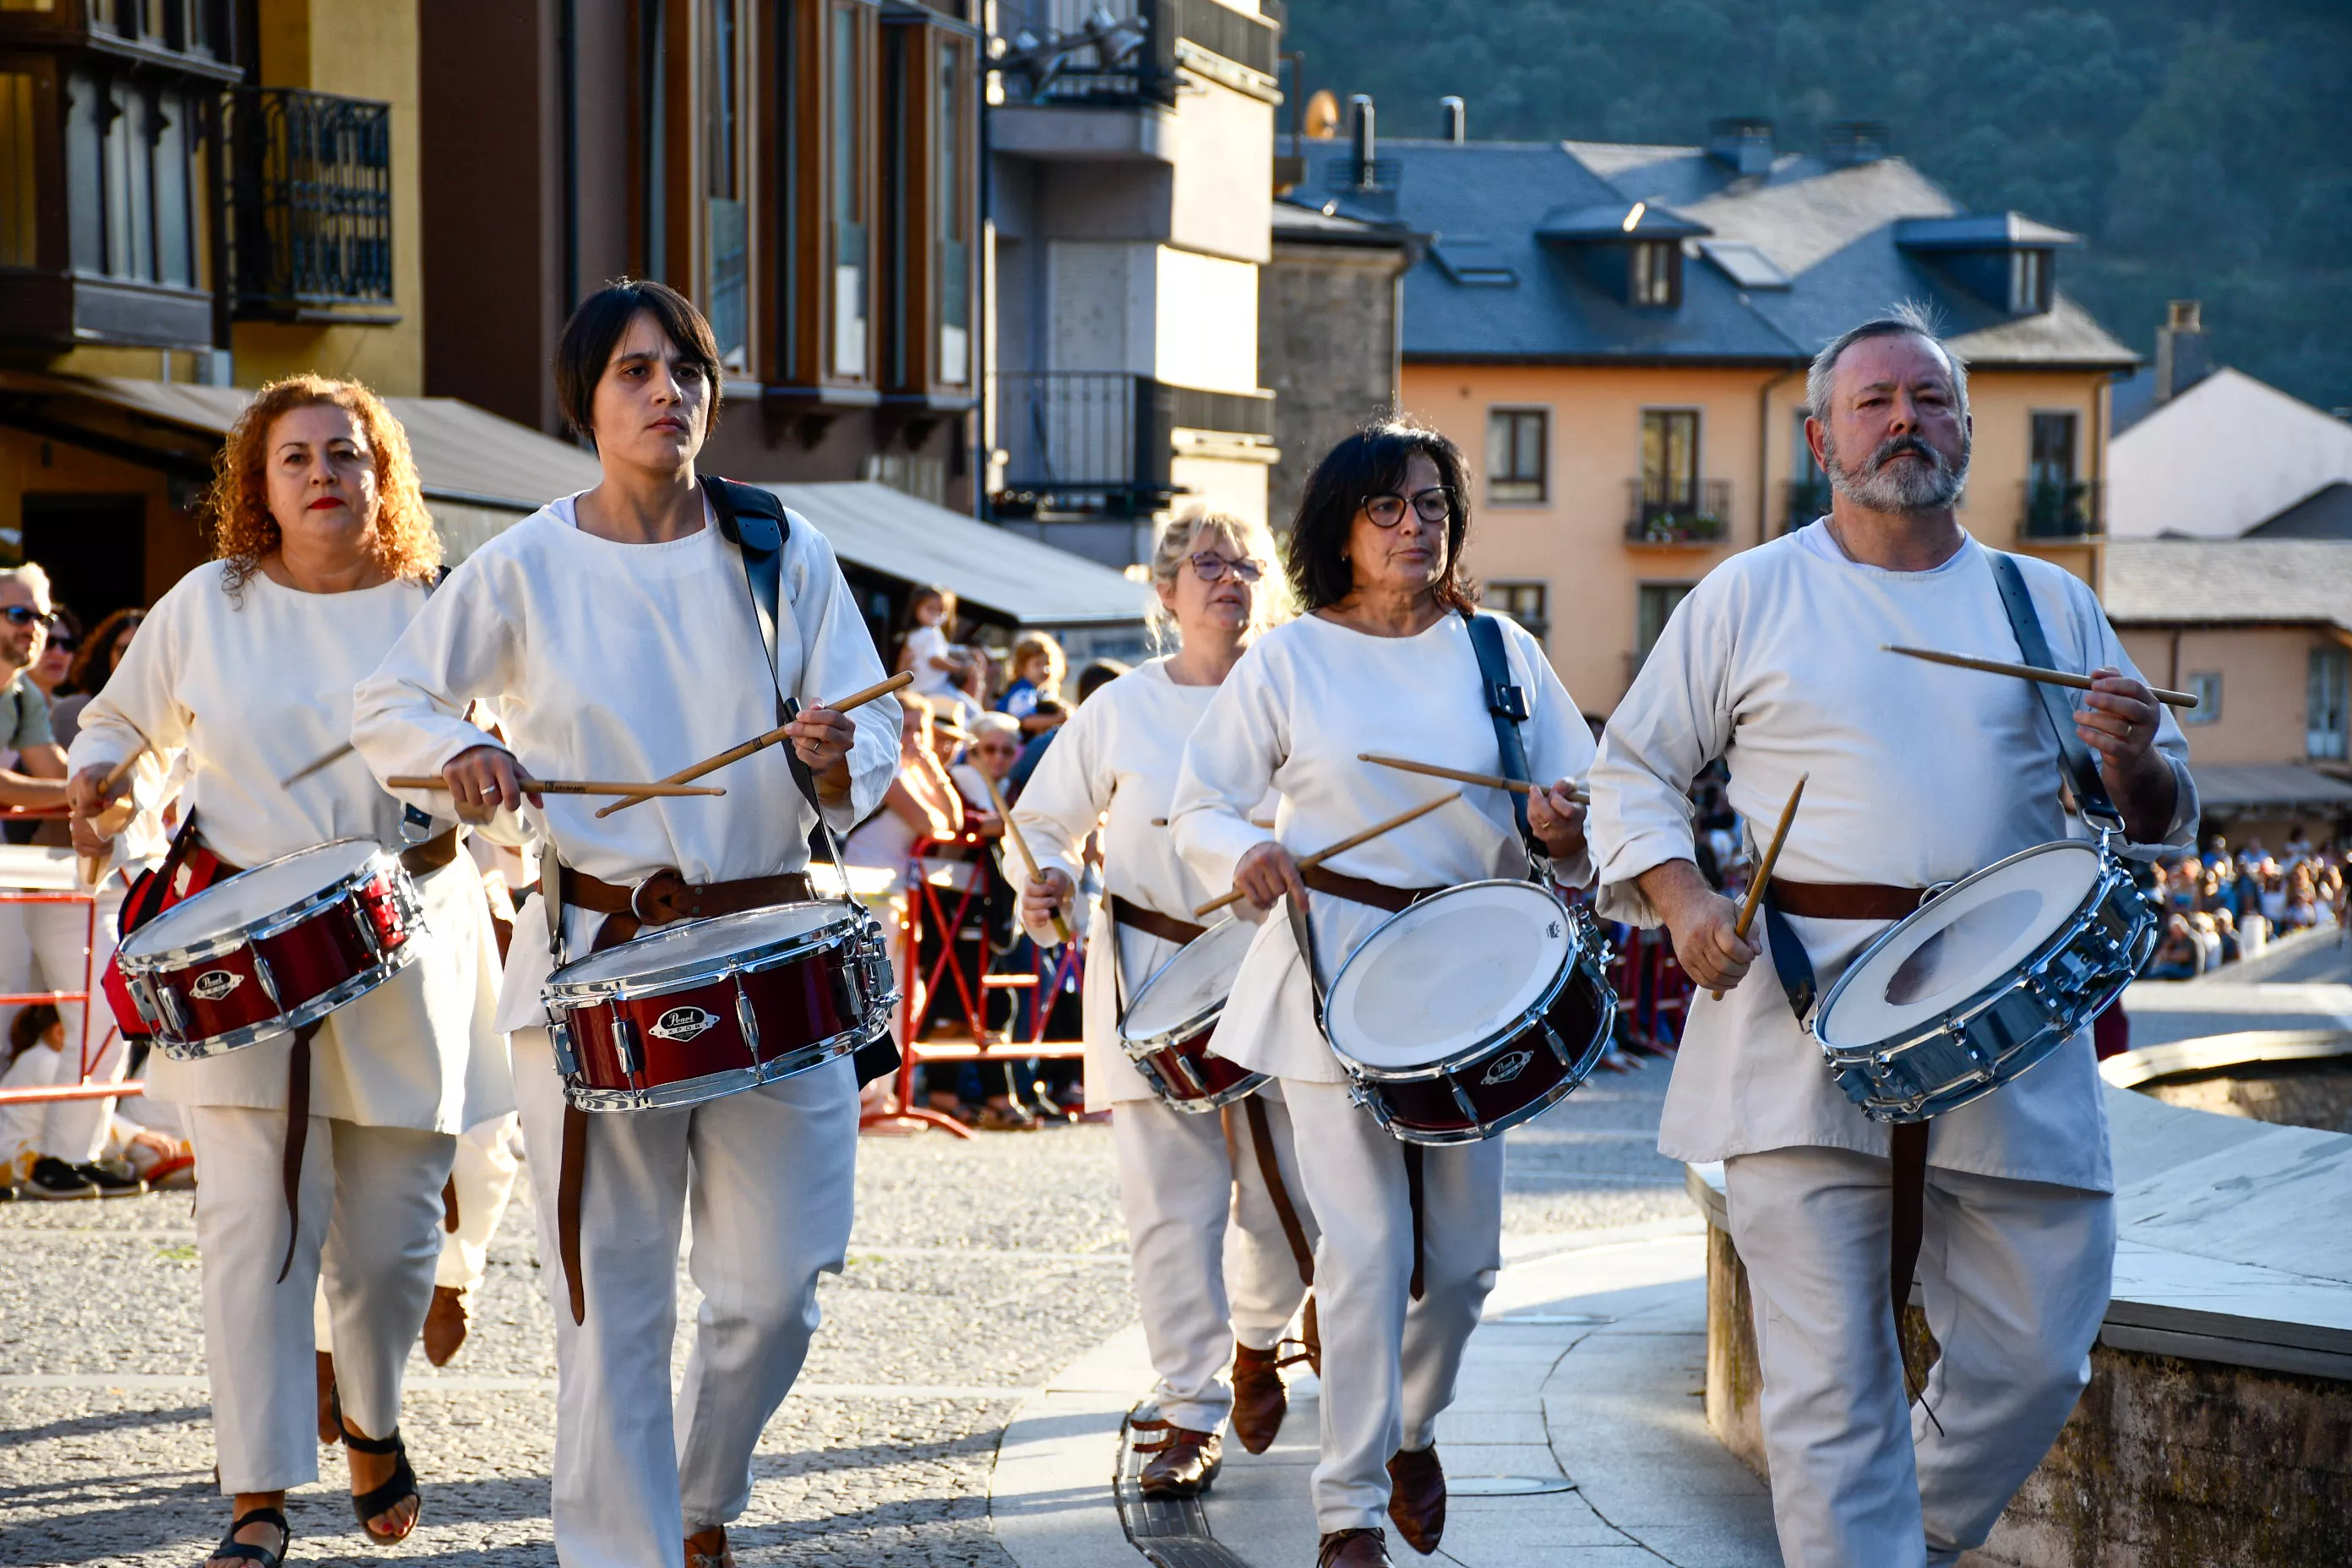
(976,1270)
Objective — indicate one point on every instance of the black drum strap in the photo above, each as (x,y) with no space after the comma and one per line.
(2075,761)
(1507,703)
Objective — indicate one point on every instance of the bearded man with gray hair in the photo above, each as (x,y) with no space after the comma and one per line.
(1920,775)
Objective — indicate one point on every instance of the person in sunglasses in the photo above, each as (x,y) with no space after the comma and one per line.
(1116,762)
(1384,660)
(32,764)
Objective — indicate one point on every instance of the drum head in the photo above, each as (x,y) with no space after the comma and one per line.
(1450,972)
(250,896)
(1937,959)
(1192,985)
(702,944)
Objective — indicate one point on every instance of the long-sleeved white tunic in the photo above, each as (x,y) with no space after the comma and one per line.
(1920,775)
(1303,701)
(631,662)
(252,688)
(1116,762)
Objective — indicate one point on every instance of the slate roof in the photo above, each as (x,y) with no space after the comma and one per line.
(1519,208)
(2325,513)
(2169,582)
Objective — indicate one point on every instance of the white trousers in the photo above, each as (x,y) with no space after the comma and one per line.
(2014,1277)
(54,947)
(487,1164)
(1212,1263)
(371,1213)
(1390,1362)
(768,1175)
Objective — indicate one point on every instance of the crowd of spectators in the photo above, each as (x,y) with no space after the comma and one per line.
(2222,906)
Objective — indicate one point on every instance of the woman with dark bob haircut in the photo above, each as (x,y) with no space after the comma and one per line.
(1383,660)
(624,633)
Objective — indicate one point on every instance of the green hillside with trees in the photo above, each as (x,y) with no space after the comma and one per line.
(2204,150)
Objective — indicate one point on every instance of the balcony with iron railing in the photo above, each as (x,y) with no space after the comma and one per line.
(309,207)
(2059,509)
(1674,510)
(1123,53)
(1084,443)
(1802,500)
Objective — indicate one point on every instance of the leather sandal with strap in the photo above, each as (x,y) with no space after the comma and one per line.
(400,1488)
(238,1550)
(696,1557)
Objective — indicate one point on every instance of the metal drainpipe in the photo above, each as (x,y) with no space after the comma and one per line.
(1764,454)
(567,44)
(984,274)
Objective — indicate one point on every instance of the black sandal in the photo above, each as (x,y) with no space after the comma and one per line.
(232,1547)
(365,1506)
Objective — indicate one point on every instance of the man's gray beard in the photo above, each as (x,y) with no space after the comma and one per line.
(1898,491)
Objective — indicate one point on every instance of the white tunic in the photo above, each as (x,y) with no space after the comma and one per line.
(631,662)
(252,690)
(1303,701)
(1116,762)
(1920,773)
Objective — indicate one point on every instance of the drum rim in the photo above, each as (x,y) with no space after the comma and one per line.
(1580,950)
(1175,1034)
(1964,1010)
(264,927)
(201,1047)
(689,1091)
(573,995)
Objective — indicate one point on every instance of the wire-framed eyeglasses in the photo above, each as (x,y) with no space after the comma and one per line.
(1434,504)
(1211,567)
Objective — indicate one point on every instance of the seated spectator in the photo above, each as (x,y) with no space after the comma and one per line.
(1033,698)
(39,1058)
(995,747)
(2208,940)
(2302,903)
(2177,957)
(100,655)
(2225,929)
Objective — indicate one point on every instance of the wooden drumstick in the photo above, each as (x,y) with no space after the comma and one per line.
(562,787)
(762,742)
(1764,868)
(1310,862)
(1012,831)
(1462,775)
(328,761)
(2030,672)
(118,773)
(1253,822)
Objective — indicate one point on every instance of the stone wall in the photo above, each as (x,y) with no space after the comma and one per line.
(1327,346)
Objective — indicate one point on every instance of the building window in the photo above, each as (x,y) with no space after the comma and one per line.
(1670,456)
(2327,703)
(2052,454)
(2028,282)
(726,282)
(1809,487)
(1654,605)
(1656,272)
(2207,685)
(653,93)
(850,271)
(19,185)
(1516,448)
(1524,603)
(952,221)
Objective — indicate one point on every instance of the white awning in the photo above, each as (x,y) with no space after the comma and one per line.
(896,535)
(2289,786)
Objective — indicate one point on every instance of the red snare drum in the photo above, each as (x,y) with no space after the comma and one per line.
(1167,1028)
(1476,1009)
(272,949)
(707,1008)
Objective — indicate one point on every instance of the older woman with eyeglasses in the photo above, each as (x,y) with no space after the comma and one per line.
(1383,660)
(1116,762)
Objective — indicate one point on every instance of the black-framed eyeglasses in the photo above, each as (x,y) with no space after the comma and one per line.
(26,616)
(1211,567)
(1434,504)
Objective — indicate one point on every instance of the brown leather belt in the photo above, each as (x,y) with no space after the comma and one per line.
(1359,890)
(1151,922)
(665,896)
(1845,900)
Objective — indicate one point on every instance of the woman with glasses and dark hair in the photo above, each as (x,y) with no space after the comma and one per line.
(623,633)
(1382,661)
(1116,763)
(99,655)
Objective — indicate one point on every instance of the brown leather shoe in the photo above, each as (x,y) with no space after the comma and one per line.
(1417,1498)
(1353,1549)
(445,1324)
(1183,1464)
(1259,1398)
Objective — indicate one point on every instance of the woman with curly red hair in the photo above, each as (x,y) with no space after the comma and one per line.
(323,552)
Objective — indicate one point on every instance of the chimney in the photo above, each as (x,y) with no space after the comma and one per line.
(1846,144)
(2182,359)
(1745,144)
(1366,150)
(1454,120)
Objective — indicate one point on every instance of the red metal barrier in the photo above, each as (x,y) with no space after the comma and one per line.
(82,1087)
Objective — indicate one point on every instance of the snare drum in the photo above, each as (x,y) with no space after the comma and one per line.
(272,949)
(1167,1028)
(1472,1011)
(1984,981)
(707,1008)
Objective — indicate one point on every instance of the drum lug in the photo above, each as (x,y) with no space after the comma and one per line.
(1191,1074)
(1558,1045)
(559,1036)
(1462,1102)
(624,1042)
(265,980)
(747,1021)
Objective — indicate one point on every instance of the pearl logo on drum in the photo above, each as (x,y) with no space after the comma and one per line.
(682,1024)
(214,983)
(1507,1067)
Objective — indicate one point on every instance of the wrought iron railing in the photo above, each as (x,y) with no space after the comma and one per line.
(310,203)
(1676,510)
(1094,442)
(2059,509)
(1803,500)
(1120,51)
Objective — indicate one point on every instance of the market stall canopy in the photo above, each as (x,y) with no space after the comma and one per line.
(2284,787)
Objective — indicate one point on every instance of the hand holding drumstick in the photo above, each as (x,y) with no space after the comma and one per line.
(1267,873)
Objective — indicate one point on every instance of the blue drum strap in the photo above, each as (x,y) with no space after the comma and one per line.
(1789,960)
(1507,702)
(2075,760)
